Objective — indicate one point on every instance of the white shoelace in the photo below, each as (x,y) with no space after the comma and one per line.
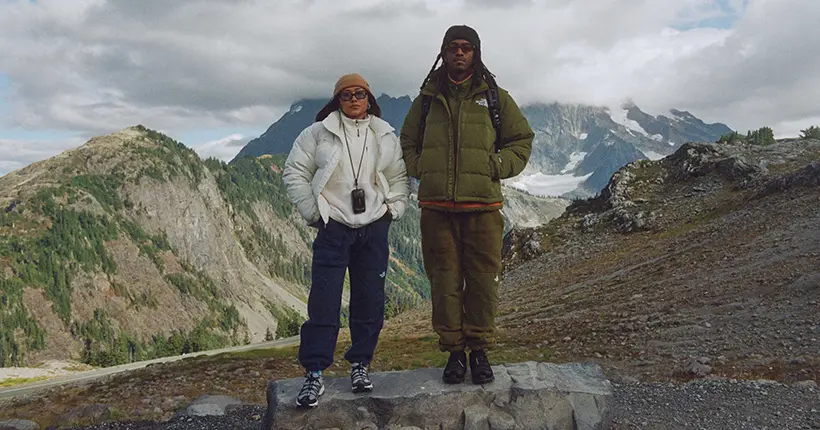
(358,374)
(312,386)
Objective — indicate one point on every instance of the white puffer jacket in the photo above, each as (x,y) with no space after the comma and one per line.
(315,155)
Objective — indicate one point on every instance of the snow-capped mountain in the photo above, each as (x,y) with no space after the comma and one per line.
(576,149)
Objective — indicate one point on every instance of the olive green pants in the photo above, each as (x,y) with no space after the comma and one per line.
(462,258)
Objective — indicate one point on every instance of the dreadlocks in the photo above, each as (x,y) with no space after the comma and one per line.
(439,73)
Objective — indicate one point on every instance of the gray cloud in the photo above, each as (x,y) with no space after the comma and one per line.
(19,153)
(224,149)
(95,66)
(763,73)
(498,4)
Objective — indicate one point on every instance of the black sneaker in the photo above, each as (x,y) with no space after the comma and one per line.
(311,390)
(456,368)
(480,369)
(359,379)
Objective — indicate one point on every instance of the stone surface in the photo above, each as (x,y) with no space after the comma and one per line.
(210,405)
(18,425)
(527,395)
(807,384)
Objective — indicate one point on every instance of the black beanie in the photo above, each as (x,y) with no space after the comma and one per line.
(461,32)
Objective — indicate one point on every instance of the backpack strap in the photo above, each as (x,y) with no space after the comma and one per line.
(493,106)
(495,114)
(426,101)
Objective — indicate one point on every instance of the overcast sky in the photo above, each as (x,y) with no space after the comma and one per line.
(216,73)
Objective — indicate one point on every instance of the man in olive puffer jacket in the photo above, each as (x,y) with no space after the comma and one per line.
(459,163)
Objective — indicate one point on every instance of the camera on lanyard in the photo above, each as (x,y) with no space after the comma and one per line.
(359,205)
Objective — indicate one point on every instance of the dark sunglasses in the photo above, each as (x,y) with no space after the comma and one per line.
(348,96)
(465,48)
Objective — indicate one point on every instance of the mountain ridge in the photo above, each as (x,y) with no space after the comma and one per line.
(563,132)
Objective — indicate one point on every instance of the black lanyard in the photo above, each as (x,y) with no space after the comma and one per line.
(350,156)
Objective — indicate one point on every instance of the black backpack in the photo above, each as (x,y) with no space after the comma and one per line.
(492,106)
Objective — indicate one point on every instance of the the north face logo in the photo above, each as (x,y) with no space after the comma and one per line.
(481,102)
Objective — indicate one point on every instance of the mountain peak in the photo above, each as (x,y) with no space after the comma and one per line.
(279,137)
(682,114)
(628,104)
(117,138)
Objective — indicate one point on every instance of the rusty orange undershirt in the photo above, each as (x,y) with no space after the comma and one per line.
(449,204)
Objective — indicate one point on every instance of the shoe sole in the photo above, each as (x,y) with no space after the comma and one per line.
(313,404)
(485,381)
(452,381)
(363,389)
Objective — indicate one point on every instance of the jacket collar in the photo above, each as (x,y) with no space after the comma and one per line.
(333,124)
(432,89)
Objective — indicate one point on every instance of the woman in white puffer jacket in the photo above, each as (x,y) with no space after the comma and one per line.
(347,178)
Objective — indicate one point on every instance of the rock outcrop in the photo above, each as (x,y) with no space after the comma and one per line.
(528,395)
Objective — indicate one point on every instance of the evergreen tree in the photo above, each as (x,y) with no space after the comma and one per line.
(762,137)
(733,137)
(812,132)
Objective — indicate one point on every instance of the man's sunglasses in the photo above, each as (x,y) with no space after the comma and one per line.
(465,48)
(348,96)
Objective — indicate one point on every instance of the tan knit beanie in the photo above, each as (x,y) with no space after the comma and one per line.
(350,80)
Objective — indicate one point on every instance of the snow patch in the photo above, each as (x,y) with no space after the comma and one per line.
(549,185)
(652,155)
(676,117)
(619,116)
(583,136)
(574,159)
(297,108)
(657,137)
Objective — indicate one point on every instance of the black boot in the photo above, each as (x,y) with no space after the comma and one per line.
(480,369)
(456,368)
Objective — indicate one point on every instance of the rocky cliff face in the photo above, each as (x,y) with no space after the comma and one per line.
(522,210)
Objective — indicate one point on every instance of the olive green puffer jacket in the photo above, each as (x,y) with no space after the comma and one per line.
(468,170)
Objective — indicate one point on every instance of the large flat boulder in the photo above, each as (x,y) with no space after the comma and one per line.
(527,395)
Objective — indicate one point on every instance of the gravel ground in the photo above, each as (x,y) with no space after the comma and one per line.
(716,404)
(702,404)
(240,418)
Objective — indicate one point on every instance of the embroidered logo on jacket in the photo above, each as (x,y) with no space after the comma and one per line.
(481,102)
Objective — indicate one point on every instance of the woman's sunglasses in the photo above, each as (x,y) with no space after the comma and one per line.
(348,96)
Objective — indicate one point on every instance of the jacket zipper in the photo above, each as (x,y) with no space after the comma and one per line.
(443,101)
(456,148)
